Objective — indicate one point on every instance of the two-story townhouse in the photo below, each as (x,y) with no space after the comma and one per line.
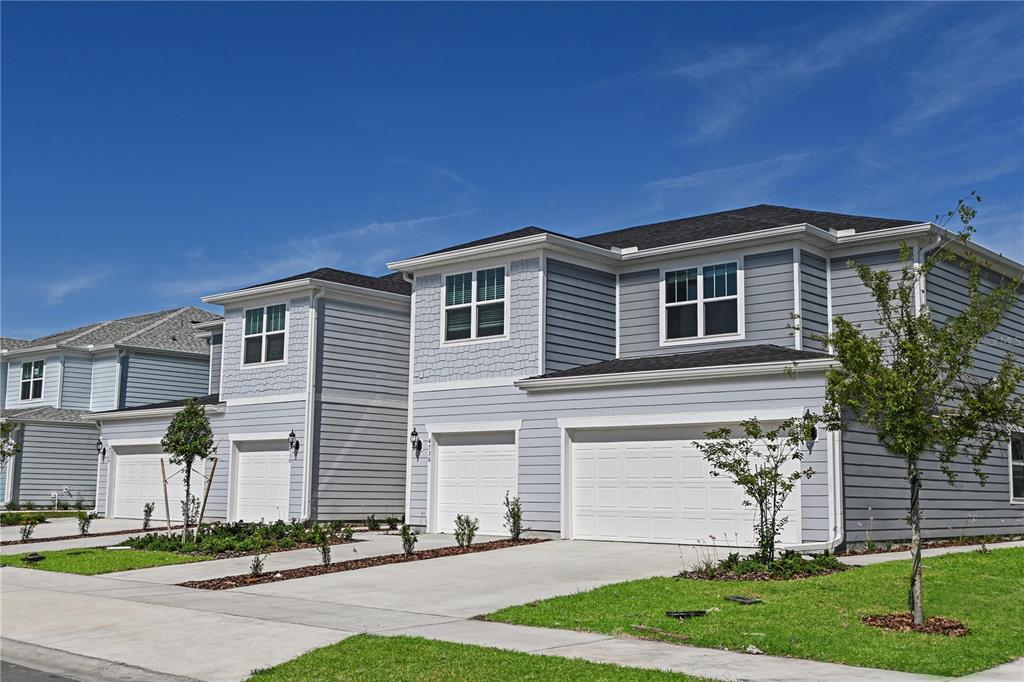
(307,398)
(577,373)
(52,384)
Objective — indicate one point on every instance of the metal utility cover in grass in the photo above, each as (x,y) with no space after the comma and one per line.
(743,600)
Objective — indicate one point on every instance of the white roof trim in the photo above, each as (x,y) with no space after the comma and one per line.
(154,412)
(678,419)
(673,375)
(475,427)
(297,285)
(503,247)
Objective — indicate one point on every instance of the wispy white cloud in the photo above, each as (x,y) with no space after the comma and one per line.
(1002,230)
(59,290)
(764,173)
(740,78)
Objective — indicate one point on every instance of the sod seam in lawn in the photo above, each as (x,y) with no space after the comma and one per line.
(371,658)
(97,560)
(819,618)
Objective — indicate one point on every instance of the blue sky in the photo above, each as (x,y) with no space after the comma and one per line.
(153,153)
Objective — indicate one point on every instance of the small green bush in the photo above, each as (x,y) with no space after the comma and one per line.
(409,538)
(79,503)
(465,529)
(392,522)
(372,523)
(147,514)
(84,521)
(513,517)
(27,527)
(61,505)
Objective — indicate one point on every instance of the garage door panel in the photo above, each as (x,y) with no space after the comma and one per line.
(655,486)
(137,481)
(263,487)
(473,476)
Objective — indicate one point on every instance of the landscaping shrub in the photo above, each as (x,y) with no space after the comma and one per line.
(324,545)
(147,514)
(244,537)
(60,505)
(79,503)
(787,566)
(409,538)
(465,529)
(513,517)
(392,522)
(84,521)
(29,506)
(27,526)
(256,565)
(372,523)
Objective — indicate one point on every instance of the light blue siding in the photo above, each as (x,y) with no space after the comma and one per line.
(813,300)
(274,379)
(77,382)
(768,293)
(51,382)
(579,316)
(53,456)
(104,382)
(151,378)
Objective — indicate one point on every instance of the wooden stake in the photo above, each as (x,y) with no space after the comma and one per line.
(167,505)
(206,495)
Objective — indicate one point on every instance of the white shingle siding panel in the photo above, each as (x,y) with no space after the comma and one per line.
(77,388)
(275,379)
(513,356)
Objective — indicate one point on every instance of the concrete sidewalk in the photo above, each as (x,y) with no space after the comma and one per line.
(882,557)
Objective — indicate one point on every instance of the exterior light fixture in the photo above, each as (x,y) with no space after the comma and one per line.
(293,444)
(100,450)
(416,443)
(812,435)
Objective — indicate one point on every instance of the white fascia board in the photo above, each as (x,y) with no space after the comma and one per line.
(771,234)
(155,412)
(301,286)
(673,375)
(210,326)
(34,350)
(509,246)
(475,427)
(678,418)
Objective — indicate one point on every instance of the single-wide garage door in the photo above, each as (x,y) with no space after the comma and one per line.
(264,473)
(137,481)
(653,485)
(474,471)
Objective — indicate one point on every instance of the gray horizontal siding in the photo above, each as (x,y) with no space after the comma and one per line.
(152,378)
(768,306)
(216,351)
(579,316)
(813,300)
(236,421)
(364,350)
(77,377)
(51,383)
(540,440)
(54,456)
(851,300)
(103,394)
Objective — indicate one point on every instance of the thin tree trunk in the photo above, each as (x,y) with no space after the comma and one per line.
(915,597)
(185,510)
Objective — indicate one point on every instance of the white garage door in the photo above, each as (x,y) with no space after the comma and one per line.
(473,473)
(653,485)
(137,481)
(264,472)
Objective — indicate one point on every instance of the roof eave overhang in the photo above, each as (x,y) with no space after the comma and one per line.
(674,375)
(303,285)
(155,412)
(531,242)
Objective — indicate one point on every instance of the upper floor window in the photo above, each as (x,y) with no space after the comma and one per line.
(474,304)
(264,334)
(701,301)
(32,380)
(1017,467)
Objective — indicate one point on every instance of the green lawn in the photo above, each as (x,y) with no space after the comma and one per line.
(95,560)
(16,518)
(818,618)
(367,658)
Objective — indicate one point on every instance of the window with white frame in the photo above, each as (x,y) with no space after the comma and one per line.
(701,301)
(32,380)
(474,304)
(264,334)
(1017,467)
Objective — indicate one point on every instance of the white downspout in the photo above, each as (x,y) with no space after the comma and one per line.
(100,462)
(835,502)
(307,472)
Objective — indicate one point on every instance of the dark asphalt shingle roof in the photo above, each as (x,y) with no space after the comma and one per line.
(739,355)
(393,283)
(7,343)
(46,413)
(211,399)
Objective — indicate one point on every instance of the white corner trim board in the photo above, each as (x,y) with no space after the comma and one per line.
(475,427)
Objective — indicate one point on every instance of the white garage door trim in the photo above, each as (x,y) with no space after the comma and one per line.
(235,466)
(610,424)
(436,431)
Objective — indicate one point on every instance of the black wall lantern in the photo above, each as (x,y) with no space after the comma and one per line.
(416,443)
(100,450)
(812,436)
(293,445)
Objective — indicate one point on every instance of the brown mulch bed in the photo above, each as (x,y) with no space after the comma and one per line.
(760,575)
(904,622)
(275,549)
(882,548)
(232,581)
(90,535)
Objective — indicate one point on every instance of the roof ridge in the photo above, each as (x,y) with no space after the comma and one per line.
(99,325)
(173,313)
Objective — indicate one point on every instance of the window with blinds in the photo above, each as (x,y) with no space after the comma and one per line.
(474,304)
(264,335)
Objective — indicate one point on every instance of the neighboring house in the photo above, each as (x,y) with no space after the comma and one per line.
(321,358)
(577,373)
(52,384)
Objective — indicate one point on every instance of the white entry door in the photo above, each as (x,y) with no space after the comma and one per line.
(653,485)
(474,471)
(137,481)
(263,475)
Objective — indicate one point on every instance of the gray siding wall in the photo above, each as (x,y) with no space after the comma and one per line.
(51,383)
(768,291)
(813,300)
(216,349)
(362,382)
(103,395)
(877,497)
(236,421)
(274,379)
(540,439)
(579,316)
(53,456)
(3,385)
(152,378)
(516,355)
(77,389)
(851,300)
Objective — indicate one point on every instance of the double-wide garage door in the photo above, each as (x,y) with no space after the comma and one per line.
(653,485)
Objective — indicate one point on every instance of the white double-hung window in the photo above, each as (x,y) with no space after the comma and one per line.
(701,301)
(264,338)
(474,304)
(32,380)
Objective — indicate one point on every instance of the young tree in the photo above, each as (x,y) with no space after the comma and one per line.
(913,380)
(755,463)
(188,438)
(9,446)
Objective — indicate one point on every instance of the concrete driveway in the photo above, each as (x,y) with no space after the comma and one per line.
(61,527)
